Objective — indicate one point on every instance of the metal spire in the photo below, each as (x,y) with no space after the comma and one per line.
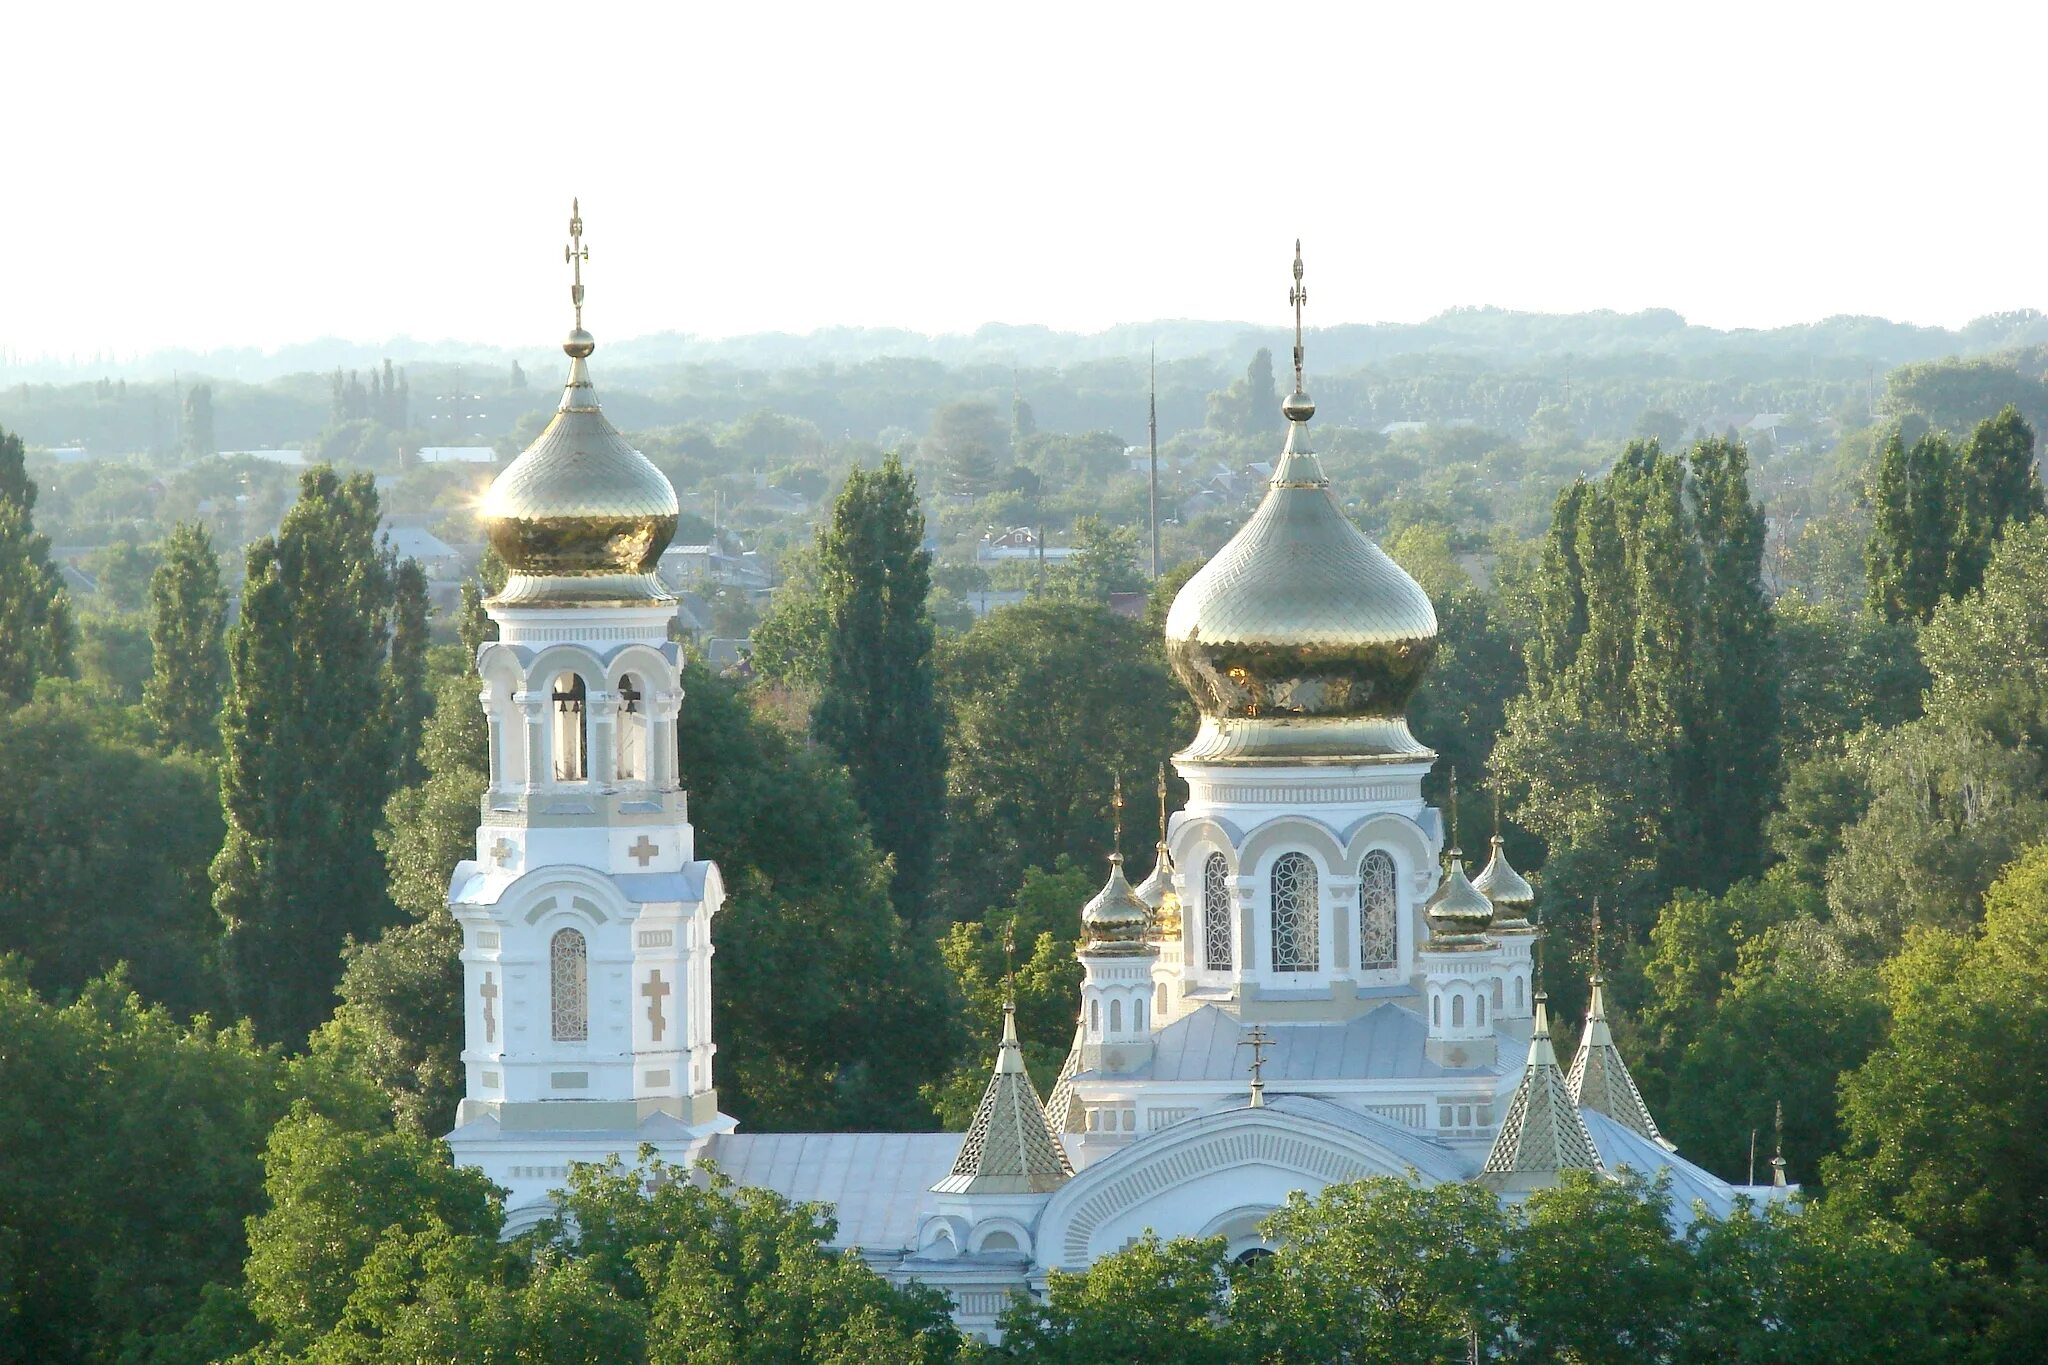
(1116,815)
(1258,1040)
(1152,422)
(1298,296)
(1454,849)
(579,345)
(1596,940)
(1778,1156)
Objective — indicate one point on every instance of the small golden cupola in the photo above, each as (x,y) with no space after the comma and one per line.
(580,518)
(1301,639)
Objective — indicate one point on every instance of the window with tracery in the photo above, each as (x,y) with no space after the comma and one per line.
(569,986)
(572,738)
(1296,930)
(1216,914)
(1377,937)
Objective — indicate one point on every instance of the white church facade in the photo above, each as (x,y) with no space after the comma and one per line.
(1307,988)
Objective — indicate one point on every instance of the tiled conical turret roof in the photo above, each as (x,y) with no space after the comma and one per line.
(1541,1135)
(1599,1078)
(1009,1148)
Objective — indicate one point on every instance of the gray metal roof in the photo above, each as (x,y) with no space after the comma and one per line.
(1690,1186)
(879,1184)
(1385,1043)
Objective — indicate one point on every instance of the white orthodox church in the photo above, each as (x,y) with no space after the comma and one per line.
(1307,988)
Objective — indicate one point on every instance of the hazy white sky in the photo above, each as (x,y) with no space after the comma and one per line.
(205,174)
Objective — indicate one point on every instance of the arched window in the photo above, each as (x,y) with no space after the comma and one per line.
(569,986)
(572,747)
(1137,1016)
(1376,912)
(1457,1011)
(632,727)
(1116,1016)
(1482,1011)
(1160,1008)
(1296,928)
(1216,914)
(1518,992)
(1436,1009)
(1095,1018)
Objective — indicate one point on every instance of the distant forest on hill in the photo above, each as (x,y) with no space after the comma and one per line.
(1490,367)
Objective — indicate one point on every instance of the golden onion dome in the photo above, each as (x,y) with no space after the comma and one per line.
(1115,921)
(580,516)
(1157,892)
(1509,892)
(1457,912)
(1301,639)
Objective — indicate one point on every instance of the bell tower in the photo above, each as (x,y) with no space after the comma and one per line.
(586,915)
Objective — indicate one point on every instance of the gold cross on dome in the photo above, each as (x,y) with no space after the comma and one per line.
(575,254)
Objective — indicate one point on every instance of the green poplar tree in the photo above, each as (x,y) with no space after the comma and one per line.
(188,652)
(875,705)
(1999,488)
(199,440)
(307,764)
(36,629)
(1914,525)
(410,699)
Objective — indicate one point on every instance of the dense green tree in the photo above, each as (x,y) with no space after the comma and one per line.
(967,443)
(1022,952)
(336,1190)
(1047,701)
(1345,1282)
(128,1159)
(1644,749)
(793,639)
(1988,651)
(1958,392)
(1251,405)
(1167,1302)
(1999,489)
(875,708)
(400,1019)
(1843,670)
(830,1014)
(121,573)
(1105,560)
(199,438)
(36,630)
(408,698)
(308,763)
(1949,806)
(1588,1231)
(188,652)
(103,849)
(113,655)
(1942,1118)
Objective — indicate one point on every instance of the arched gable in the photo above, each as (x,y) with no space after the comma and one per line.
(1216,1167)
(1285,835)
(1399,835)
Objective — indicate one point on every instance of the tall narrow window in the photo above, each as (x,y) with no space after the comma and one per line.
(572,748)
(1297,930)
(1116,1016)
(1377,940)
(1457,1011)
(632,725)
(569,986)
(1216,914)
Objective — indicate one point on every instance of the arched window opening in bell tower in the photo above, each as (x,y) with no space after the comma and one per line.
(572,734)
(1216,914)
(632,731)
(569,987)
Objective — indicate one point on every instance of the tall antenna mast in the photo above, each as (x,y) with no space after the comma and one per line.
(1152,423)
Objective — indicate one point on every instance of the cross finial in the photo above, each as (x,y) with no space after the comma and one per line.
(1596,938)
(1162,803)
(1010,964)
(1454,812)
(576,254)
(1496,808)
(1778,1155)
(1258,1040)
(1116,814)
(1297,296)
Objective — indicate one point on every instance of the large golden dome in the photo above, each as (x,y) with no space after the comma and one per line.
(580,516)
(1301,638)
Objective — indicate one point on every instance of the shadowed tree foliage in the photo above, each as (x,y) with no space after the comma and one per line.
(36,630)
(308,762)
(1938,512)
(875,708)
(410,699)
(188,653)
(1047,702)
